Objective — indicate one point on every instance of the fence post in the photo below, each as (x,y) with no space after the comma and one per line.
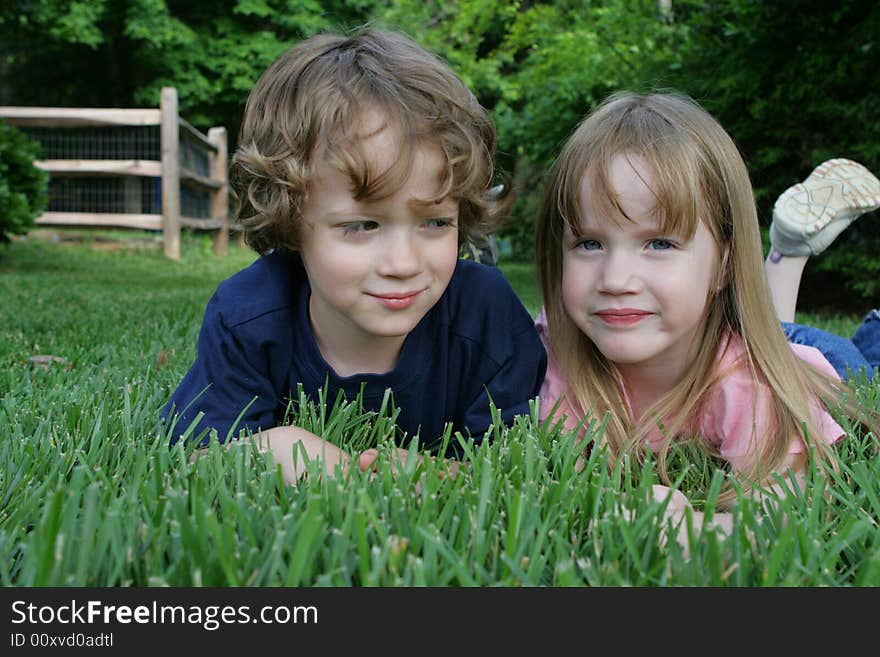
(170,134)
(220,197)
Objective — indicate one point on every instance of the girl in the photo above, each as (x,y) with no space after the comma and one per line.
(657,313)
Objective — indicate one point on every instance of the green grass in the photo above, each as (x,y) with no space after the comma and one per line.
(90,494)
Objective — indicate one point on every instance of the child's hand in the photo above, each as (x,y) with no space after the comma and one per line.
(675,512)
(366,461)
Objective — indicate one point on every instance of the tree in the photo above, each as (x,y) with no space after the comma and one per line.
(23,187)
(120,53)
(795,84)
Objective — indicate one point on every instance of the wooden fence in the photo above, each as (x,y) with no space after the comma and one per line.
(131,168)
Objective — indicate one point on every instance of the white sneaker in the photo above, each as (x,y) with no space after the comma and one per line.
(809,216)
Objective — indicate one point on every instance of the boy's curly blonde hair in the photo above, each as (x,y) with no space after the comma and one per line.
(311,99)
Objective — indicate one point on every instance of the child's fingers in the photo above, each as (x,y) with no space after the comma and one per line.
(453,468)
(367,458)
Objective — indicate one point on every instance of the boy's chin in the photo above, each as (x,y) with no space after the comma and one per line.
(396,329)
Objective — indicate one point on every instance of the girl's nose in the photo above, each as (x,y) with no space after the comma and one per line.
(619,274)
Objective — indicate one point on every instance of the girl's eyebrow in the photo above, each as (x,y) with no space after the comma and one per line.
(638,231)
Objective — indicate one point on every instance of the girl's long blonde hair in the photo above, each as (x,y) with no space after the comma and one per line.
(698,175)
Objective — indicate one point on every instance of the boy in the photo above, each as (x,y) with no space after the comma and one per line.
(363,164)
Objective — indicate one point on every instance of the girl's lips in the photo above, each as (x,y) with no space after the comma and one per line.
(622,316)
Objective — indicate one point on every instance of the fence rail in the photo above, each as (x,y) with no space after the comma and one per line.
(144,169)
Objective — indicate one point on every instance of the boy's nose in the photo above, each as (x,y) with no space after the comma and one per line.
(401,256)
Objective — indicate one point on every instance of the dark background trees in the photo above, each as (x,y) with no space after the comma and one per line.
(793,81)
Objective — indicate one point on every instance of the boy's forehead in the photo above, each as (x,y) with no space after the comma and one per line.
(371,122)
(374,150)
(376,143)
(380,142)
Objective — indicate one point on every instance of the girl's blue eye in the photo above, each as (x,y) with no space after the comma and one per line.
(661,244)
(438,223)
(590,245)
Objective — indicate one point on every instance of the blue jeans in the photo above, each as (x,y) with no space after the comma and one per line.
(861,352)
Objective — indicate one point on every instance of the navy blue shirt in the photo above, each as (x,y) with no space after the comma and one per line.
(256,344)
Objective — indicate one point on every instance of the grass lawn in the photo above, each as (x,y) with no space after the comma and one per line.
(92,496)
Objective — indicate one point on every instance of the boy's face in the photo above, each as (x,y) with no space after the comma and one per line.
(375,266)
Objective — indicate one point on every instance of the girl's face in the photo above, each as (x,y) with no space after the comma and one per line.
(639,294)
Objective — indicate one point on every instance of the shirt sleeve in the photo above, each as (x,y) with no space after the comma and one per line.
(737,417)
(223,383)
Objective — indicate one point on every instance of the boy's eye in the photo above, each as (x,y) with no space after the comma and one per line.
(661,244)
(589,245)
(359,227)
(438,223)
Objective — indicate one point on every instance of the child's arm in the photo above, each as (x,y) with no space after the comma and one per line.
(286,445)
(679,506)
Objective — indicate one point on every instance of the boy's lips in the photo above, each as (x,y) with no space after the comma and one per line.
(622,316)
(397,300)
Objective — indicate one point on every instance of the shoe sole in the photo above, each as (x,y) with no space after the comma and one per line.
(835,186)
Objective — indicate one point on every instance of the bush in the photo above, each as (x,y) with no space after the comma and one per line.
(23,187)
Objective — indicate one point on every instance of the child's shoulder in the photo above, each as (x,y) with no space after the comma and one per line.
(478,290)
(732,355)
(481,306)
(268,285)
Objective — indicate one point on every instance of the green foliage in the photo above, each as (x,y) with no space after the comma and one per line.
(23,187)
(120,54)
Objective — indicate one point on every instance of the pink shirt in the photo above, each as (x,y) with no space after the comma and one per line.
(731,411)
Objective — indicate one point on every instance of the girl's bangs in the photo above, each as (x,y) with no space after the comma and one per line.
(677,207)
(678,189)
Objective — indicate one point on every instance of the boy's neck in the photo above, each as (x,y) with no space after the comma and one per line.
(373,356)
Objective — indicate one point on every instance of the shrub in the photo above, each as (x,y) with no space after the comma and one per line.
(23,187)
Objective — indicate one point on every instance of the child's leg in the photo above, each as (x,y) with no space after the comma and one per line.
(867,338)
(842,353)
(784,279)
(807,218)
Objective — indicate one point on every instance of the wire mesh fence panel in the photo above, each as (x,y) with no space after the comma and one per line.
(194,158)
(98,143)
(120,195)
(195,203)
(130,168)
